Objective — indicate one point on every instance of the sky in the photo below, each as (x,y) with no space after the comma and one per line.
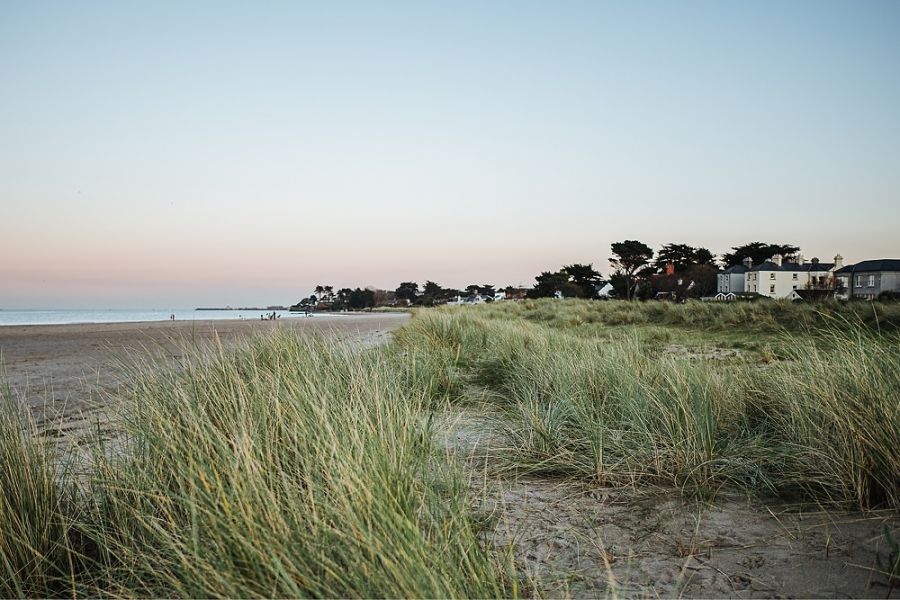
(179,154)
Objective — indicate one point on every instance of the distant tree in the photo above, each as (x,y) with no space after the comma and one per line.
(360,299)
(631,257)
(682,256)
(585,277)
(760,252)
(342,299)
(704,257)
(548,283)
(679,255)
(656,283)
(619,283)
(432,290)
(408,290)
(305,304)
(704,277)
(486,289)
(382,297)
(472,289)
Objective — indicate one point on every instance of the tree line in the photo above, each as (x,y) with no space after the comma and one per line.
(677,269)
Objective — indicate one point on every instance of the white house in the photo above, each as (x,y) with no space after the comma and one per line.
(733,280)
(604,290)
(473,299)
(778,279)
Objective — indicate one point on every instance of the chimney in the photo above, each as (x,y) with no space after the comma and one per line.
(777,259)
(800,259)
(838,261)
(748,262)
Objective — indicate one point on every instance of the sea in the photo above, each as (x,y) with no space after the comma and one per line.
(69,316)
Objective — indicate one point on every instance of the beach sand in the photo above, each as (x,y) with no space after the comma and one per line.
(577,539)
(65,374)
(583,540)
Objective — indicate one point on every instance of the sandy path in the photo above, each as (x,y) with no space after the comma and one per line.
(577,539)
(61,372)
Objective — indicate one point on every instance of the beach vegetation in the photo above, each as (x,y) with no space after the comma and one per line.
(297,467)
(286,468)
(810,413)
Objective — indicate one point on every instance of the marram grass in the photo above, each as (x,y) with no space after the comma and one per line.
(822,424)
(286,469)
(295,468)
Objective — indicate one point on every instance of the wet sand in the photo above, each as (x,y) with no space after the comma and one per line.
(65,372)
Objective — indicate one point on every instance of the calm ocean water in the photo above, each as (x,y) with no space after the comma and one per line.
(63,317)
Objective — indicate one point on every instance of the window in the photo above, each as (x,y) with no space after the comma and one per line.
(859,281)
(794,287)
(794,278)
(772,276)
(772,289)
(871,282)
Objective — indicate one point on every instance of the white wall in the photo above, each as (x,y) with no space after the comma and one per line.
(784,282)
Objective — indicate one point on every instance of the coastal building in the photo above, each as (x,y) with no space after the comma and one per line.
(869,278)
(517,293)
(469,300)
(776,278)
(812,295)
(605,290)
(733,280)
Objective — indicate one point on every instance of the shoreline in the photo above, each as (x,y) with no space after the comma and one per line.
(145,322)
(65,371)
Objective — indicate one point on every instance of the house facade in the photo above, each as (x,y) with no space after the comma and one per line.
(776,278)
(870,278)
(733,280)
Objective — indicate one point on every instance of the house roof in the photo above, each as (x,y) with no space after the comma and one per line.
(806,267)
(737,269)
(882,264)
(814,294)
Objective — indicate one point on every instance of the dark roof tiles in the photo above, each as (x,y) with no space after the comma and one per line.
(868,266)
(789,266)
(736,269)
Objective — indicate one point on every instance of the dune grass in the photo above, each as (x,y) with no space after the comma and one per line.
(822,424)
(37,510)
(763,315)
(288,468)
(295,467)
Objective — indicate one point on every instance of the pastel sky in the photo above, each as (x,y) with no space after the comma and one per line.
(163,154)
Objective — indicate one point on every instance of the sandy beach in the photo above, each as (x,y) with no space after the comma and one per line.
(64,373)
